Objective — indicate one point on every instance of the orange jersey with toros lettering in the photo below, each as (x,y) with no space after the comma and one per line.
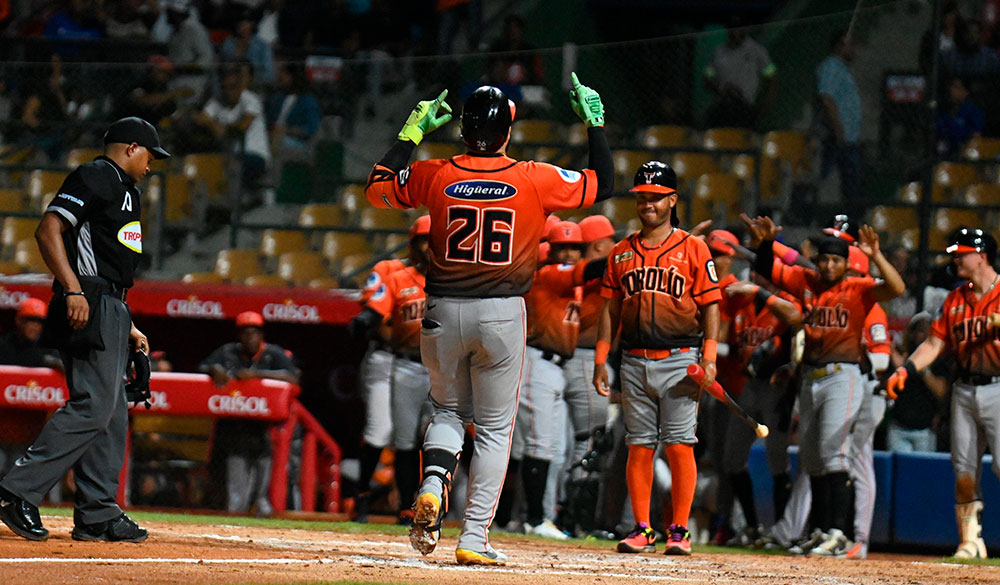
(876,339)
(377,276)
(400,299)
(662,289)
(834,316)
(554,308)
(487,216)
(966,328)
(590,314)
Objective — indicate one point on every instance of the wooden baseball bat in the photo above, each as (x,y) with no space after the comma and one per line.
(697,374)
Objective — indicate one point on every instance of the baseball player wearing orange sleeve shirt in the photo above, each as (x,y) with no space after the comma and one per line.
(968,326)
(375,372)
(487,214)
(662,291)
(835,307)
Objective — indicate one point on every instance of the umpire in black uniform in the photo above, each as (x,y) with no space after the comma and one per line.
(91,239)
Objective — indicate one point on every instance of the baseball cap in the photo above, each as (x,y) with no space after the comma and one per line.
(32,308)
(857,260)
(421,227)
(249,319)
(543,252)
(133,129)
(833,246)
(565,232)
(596,227)
(550,221)
(722,242)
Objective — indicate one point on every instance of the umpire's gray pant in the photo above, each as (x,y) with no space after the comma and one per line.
(88,433)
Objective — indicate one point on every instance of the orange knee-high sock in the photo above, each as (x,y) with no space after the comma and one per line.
(639,477)
(684,477)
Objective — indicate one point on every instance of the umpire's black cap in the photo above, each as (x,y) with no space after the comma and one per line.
(132,129)
(966,240)
(486,119)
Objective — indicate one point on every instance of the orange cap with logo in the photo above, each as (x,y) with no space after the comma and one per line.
(722,242)
(249,319)
(596,227)
(565,232)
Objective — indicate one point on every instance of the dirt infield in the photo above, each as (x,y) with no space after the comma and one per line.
(209,555)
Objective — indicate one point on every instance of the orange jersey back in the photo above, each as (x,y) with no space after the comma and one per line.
(662,290)
(876,339)
(554,308)
(400,299)
(487,216)
(965,326)
(377,276)
(834,316)
(590,314)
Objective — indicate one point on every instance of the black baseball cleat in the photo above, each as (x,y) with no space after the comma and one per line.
(120,529)
(21,517)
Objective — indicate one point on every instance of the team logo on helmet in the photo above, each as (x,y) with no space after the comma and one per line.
(649,177)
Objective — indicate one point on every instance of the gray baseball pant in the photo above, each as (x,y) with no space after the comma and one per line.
(376,372)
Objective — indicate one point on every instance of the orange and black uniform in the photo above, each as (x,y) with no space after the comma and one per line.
(964,325)
(400,300)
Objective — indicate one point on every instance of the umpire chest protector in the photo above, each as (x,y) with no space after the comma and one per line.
(102,204)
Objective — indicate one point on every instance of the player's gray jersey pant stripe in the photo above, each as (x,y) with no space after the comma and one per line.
(376,371)
(863,460)
(828,406)
(587,409)
(411,406)
(975,423)
(660,402)
(474,352)
(537,426)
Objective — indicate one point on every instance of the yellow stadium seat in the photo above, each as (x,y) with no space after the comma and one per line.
(714,192)
(626,163)
(265,280)
(910,239)
(339,245)
(235,265)
(352,197)
(535,132)
(577,134)
(429,150)
(784,156)
(325,282)
(982,194)
(893,220)
(552,155)
(8,267)
(398,242)
(946,220)
(352,269)
(911,193)
(177,206)
(950,179)
(12,200)
(665,137)
(619,209)
(300,268)
(42,183)
(321,215)
(16,229)
(982,148)
(28,257)
(208,171)
(691,165)
(202,278)
(726,139)
(274,243)
(743,167)
(79,156)
(374,218)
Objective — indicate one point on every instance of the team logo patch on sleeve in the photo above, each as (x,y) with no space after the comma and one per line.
(623,257)
(712,275)
(403,177)
(569,176)
(379,293)
(130,236)
(373,280)
(878,333)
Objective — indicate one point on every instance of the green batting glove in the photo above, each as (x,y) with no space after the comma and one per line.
(424,119)
(586,103)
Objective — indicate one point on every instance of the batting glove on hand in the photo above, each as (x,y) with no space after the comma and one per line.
(898,378)
(586,103)
(424,119)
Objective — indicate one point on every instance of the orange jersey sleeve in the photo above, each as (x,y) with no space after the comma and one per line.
(663,289)
(877,331)
(401,300)
(377,276)
(554,308)
(967,326)
(560,188)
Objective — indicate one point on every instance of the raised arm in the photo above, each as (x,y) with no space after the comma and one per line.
(588,106)
(892,284)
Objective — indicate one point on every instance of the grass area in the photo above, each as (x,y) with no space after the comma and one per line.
(977,562)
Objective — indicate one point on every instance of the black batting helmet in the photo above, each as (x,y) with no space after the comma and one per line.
(486,119)
(843,227)
(965,240)
(656,177)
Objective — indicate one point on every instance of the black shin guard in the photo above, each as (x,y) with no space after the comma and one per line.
(368,463)
(841,502)
(508,495)
(407,468)
(782,492)
(819,512)
(743,489)
(536,474)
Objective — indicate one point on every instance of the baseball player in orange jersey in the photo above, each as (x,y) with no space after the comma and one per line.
(487,214)
(835,307)
(375,373)
(662,290)
(968,326)
(753,321)
(399,300)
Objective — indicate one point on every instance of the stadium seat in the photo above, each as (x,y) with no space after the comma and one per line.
(619,209)
(982,148)
(982,194)
(911,192)
(14,230)
(208,172)
(202,278)
(743,167)
(665,137)
(352,197)
(264,280)
(235,265)
(274,243)
(326,282)
(353,269)
(300,268)
(691,165)
(893,220)
(79,156)
(9,267)
(626,163)
(339,245)
(784,157)
(177,206)
(726,139)
(397,242)
(714,192)
(28,257)
(373,218)
(577,134)
(429,150)
(910,239)
(321,215)
(535,132)
(951,179)
(12,200)
(552,155)
(946,220)
(42,183)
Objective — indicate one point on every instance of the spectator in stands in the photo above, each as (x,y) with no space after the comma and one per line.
(519,67)
(970,57)
(158,362)
(77,20)
(44,110)
(959,121)
(296,23)
(236,119)
(839,119)
(293,112)
(155,99)
(244,444)
(190,49)
(245,44)
(20,347)
(132,19)
(738,70)
(267,26)
(450,12)
(918,410)
(951,23)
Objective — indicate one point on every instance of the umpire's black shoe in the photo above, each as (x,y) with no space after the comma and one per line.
(120,529)
(21,517)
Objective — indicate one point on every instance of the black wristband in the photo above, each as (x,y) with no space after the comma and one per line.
(763,294)
(78,293)
(911,370)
